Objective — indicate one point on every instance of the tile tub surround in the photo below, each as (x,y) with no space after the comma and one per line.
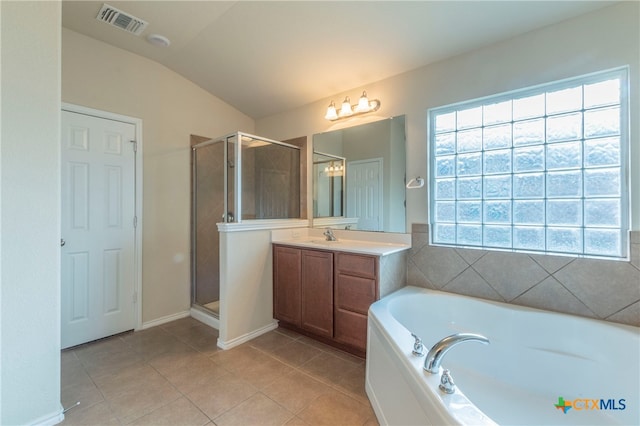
(602,289)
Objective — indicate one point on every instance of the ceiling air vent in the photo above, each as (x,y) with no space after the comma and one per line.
(122,20)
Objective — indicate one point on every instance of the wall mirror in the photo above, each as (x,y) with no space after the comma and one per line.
(328,186)
(359,177)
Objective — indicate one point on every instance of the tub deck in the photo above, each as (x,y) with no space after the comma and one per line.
(535,357)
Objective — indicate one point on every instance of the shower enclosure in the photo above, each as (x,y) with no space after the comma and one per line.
(236,178)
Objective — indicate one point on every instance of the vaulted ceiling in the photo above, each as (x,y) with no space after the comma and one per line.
(266,57)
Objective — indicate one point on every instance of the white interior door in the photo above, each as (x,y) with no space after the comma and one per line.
(98,230)
(364,193)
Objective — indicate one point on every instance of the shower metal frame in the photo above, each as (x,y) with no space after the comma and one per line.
(237,199)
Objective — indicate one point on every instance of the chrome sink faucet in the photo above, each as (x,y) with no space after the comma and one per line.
(328,233)
(436,353)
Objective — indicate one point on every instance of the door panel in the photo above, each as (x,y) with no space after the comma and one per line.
(287,284)
(98,209)
(364,193)
(78,283)
(317,292)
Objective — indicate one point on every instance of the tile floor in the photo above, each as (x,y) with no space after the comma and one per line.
(175,375)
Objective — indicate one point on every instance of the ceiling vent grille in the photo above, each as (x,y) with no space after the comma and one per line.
(122,20)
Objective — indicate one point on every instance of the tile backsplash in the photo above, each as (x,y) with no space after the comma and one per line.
(601,289)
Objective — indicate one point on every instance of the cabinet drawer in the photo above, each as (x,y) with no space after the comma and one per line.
(354,293)
(364,266)
(351,328)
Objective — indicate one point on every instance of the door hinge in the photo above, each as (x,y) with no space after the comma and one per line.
(135,297)
(135,221)
(135,145)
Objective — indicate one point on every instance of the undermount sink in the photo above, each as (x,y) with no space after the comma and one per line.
(325,242)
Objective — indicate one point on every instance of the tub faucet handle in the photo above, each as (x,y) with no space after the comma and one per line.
(418,347)
(446,382)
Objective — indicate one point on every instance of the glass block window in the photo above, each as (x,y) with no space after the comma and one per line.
(540,170)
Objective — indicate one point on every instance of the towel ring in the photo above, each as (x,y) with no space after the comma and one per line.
(415,183)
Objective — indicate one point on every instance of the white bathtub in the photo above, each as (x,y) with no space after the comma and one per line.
(534,358)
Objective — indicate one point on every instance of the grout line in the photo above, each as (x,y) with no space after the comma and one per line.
(319,379)
(620,310)
(148,355)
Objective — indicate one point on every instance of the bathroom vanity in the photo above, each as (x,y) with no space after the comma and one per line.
(323,289)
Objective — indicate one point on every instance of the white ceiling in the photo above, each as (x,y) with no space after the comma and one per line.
(266,57)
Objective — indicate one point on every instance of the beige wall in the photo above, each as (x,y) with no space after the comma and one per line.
(30,213)
(172,108)
(601,40)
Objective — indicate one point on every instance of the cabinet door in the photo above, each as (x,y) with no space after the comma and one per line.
(351,328)
(287,284)
(317,292)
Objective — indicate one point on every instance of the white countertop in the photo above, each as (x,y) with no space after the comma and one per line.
(376,244)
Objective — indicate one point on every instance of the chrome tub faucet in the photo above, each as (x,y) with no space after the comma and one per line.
(436,353)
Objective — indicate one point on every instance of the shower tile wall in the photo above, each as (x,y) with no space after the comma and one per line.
(393,272)
(301,142)
(602,289)
(271,183)
(249,184)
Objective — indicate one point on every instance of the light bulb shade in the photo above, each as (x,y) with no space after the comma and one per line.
(346,108)
(332,114)
(363,103)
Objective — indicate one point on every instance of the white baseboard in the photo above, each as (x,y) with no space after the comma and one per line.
(246,337)
(204,318)
(164,320)
(49,419)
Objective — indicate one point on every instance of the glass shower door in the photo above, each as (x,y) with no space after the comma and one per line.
(208,209)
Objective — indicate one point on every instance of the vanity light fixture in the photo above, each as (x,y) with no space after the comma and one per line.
(347,110)
(334,170)
(332,114)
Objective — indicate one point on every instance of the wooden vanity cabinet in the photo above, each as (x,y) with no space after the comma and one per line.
(303,289)
(325,294)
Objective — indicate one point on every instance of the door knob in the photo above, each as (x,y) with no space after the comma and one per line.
(62,242)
